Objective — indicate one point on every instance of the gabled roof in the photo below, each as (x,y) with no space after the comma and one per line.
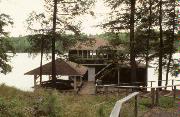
(95,44)
(64,68)
(91,44)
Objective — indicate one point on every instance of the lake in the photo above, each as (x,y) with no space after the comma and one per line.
(23,62)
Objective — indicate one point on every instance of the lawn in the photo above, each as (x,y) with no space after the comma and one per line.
(51,103)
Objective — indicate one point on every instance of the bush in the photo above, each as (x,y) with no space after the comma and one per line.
(11,108)
(100,111)
(48,104)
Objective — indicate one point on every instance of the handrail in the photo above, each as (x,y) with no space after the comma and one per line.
(136,86)
(131,86)
(117,108)
(103,69)
(163,80)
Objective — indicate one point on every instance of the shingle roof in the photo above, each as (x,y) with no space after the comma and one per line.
(94,44)
(64,68)
(91,44)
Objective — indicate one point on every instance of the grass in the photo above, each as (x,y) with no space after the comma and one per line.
(51,103)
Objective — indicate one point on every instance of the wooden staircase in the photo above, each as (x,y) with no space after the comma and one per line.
(88,88)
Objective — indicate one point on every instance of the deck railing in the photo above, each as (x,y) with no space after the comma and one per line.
(154,90)
(117,108)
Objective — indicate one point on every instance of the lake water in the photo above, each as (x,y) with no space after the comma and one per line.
(23,63)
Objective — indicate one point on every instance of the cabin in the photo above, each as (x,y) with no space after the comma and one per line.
(96,54)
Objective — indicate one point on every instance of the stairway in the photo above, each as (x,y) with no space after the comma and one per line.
(88,88)
(102,70)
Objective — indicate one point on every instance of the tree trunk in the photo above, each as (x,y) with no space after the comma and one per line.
(132,43)
(172,42)
(53,43)
(168,68)
(42,49)
(149,36)
(160,45)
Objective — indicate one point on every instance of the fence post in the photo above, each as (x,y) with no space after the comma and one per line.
(172,84)
(136,107)
(157,96)
(127,91)
(151,83)
(104,88)
(174,94)
(152,95)
(96,89)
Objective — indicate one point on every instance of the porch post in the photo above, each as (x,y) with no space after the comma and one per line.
(49,77)
(81,80)
(75,83)
(78,53)
(35,78)
(82,54)
(92,54)
(118,76)
(87,54)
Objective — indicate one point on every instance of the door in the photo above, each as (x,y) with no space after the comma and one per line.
(91,73)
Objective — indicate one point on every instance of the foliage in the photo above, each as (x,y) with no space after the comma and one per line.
(51,103)
(20,44)
(152,38)
(166,102)
(5,45)
(67,26)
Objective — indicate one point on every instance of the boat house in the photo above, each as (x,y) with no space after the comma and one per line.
(100,65)
(91,61)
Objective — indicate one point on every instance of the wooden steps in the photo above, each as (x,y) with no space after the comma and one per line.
(88,88)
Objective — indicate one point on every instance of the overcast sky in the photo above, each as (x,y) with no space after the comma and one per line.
(20,9)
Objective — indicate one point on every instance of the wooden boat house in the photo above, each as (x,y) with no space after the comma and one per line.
(99,63)
(87,62)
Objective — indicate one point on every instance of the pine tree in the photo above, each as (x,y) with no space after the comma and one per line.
(172,27)
(57,23)
(161,46)
(5,45)
(124,21)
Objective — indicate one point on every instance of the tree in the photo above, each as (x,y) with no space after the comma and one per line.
(124,21)
(60,21)
(172,27)
(53,42)
(146,31)
(5,45)
(160,44)
(41,39)
(132,41)
(167,26)
(148,43)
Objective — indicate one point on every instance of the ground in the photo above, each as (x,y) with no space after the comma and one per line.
(158,112)
(52,103)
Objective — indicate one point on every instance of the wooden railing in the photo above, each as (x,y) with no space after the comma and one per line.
(103,69)
(117,108)
(164,81)
(154,91)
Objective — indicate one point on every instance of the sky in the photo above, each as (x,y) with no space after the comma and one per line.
(19,10)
